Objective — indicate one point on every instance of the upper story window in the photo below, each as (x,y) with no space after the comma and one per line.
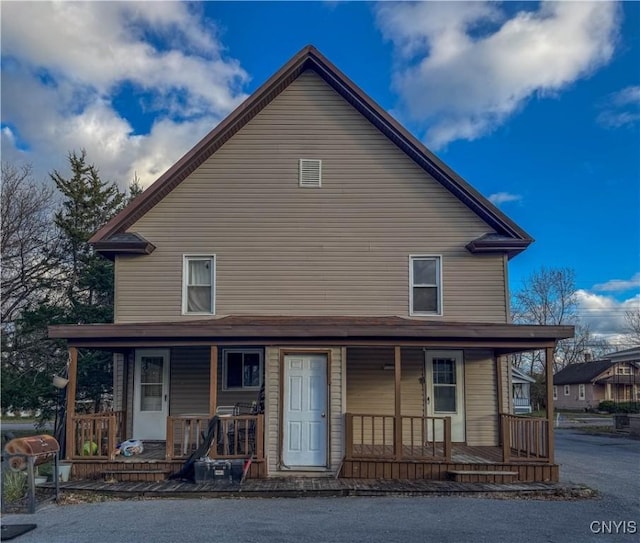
(198,285)
(425,285)
(623,370)
(555,392)
(241,368)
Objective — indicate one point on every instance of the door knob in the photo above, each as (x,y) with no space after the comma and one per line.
(323,414)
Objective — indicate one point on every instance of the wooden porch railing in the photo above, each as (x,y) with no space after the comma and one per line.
(524,438)
(373,436)
(185,433)
(95,435)
(235,436)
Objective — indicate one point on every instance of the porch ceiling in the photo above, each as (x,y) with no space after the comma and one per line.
(314,330)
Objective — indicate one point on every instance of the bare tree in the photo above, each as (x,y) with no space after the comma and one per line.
(28,240)
(548,297)
(632,325)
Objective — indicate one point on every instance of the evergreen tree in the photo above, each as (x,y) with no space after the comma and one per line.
(81,293)
(88,204)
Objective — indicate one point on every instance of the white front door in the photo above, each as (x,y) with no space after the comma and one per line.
(305,411)
(445,391)
(151,394)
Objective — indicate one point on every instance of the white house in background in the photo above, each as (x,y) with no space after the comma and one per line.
(520,391)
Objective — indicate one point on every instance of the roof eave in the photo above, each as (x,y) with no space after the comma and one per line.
(511,247)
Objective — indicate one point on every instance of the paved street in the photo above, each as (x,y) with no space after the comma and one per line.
(608,464)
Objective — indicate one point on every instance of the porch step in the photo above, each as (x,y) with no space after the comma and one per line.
(135,475)
(483,476)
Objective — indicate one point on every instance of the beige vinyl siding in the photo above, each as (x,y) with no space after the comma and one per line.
(118,382)
(190,377)
(336,421)
(273,406)
(189,386)
(371,389)
(280,249)
(130,362)
(481,397)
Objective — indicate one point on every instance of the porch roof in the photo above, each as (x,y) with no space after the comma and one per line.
(388,330)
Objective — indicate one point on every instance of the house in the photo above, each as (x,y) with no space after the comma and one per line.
(584,385)
(311,248)
(521,391)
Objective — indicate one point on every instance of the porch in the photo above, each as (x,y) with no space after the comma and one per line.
(422,450)
(442,410)
(226,437)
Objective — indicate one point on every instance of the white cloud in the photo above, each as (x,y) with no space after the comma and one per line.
(621,108)
(504,197)
(464,68)
(619,285)
(58,86)
(605,315)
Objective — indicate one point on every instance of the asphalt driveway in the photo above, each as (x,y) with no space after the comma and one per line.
(607,464)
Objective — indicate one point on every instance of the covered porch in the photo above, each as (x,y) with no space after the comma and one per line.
(379,390)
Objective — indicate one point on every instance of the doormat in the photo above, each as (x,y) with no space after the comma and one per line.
(9,531)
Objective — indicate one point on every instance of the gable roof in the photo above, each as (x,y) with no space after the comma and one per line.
(583,372)
(628,355)
(509,237)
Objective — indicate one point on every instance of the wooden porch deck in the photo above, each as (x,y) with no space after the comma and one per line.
(154,451)
(485,464)
(460,453)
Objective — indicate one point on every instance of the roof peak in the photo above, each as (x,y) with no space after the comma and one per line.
(309,57)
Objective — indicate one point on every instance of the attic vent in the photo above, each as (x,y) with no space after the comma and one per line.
(310,172)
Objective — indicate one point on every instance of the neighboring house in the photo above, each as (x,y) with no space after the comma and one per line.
(311,248)
(584,385)
(521,391)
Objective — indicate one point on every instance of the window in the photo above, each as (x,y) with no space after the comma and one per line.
(555,392)
(425,292)
(198,279)
(580,392)
(444,385)
(623,370)
(567,390)
(242,368)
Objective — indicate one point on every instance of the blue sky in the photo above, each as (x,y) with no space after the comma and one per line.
(537,105)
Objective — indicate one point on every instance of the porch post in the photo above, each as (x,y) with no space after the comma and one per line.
(398,405)
(499,384)
(71,401)
(548,359)
(501,429)
(213,380)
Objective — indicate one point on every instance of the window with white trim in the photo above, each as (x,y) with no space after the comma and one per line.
(567,390)
(242,368)
(623,370)
(581,392)
(425,285)
(198,285)
(555,392)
